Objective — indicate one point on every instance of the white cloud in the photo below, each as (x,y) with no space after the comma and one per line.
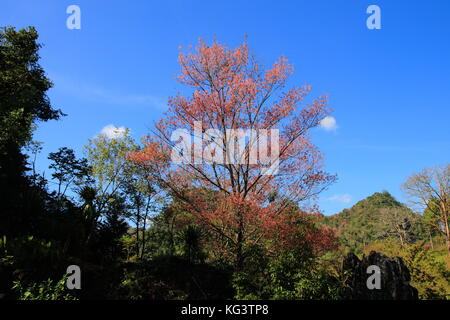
(344,198)
(328,123)
(113,132)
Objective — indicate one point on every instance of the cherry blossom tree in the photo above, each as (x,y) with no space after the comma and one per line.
(234,107)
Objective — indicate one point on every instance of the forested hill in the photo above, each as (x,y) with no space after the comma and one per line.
(367,220)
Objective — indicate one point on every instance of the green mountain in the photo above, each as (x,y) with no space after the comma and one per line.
(361,224)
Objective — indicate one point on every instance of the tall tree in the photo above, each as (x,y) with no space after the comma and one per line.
(397,222)
(231,91)
(67,169)
(142,199)
(23,87)
(430,189)
(23,103)
(107,157)
(116,177)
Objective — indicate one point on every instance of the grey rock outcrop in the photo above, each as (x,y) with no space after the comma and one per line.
(394,278)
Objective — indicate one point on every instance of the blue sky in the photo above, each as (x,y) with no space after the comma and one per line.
(390,88)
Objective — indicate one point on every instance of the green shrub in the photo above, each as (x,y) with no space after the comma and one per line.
(290,275)
(46,290)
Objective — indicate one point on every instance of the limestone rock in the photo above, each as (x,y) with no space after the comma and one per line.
(394,278)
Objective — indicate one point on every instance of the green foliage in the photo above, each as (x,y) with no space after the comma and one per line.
(109,236)
(382,224)
(428,273)
(108,160)
(432,218)
(360,225)
(67,169)
(24,102)
(189,241)
(30,250)
(46,290)
(171,277)
(161,237)
(290,275)
(23,87)
(133,241)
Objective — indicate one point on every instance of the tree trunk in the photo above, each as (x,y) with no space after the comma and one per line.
(239,254)
(137,234)
(447,237)
(444,213)
(240,240)
(431,241)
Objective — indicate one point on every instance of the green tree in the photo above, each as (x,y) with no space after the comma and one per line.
(430,190)
(24,102)
(67,170)
(114,174)
(107,158)
(23,88)
(360,224)
(142,198)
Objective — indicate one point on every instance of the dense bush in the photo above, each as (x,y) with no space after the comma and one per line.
(289,275)
(429,274)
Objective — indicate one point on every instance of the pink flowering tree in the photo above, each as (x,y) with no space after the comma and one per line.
(248,145)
